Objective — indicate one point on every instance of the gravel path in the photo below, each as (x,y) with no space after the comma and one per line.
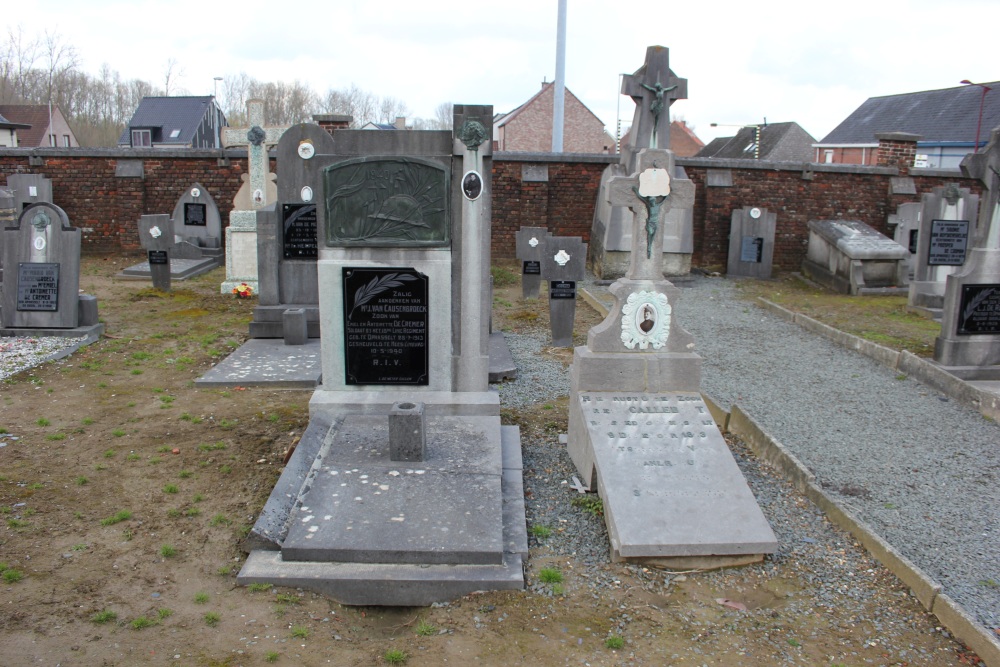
(920,468)
(18,353)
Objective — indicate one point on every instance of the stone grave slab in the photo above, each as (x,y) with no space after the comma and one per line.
(180,269)
(268,362)
(751,242)
(851,257)
(670,485)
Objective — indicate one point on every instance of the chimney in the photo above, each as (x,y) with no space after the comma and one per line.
(400,123)
(896,149)
(333,121)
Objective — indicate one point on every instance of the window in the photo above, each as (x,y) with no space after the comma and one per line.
(175,133)
(828,156)
(141,138)
(52,140)
(66,141)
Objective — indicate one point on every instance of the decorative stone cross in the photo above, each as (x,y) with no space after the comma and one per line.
(653,88)
(256,138)
(986,167)
(649,193)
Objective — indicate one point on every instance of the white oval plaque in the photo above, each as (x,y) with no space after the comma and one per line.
(195,192)
(39,243)
(306,150)
(306,193)
(755,213)
(645,320)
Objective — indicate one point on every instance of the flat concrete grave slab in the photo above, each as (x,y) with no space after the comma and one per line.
(364,508)
(502,366)
(669,483)
(268,361)
(180,269)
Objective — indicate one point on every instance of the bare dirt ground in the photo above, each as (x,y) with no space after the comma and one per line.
(127,491)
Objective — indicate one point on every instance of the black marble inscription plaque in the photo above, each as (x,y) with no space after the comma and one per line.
(157,257)
(532,268)
(949,239)
(385,326)
(194,214)
(299,236)
(37,286)
(391,201)
(562,289)
(914,239)
(979,310)
(752,249)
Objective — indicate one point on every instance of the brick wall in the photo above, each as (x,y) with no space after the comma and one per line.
(107,207)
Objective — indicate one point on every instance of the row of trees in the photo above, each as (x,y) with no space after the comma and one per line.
(43,69)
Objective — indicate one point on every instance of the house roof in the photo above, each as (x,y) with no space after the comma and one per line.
(503,119)
(778,141)
(8,125)
(34,116)
(945,115)
(169,114)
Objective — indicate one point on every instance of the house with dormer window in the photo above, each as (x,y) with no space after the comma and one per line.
(175,122)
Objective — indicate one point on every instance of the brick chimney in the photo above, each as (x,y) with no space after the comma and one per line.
(333,121)
(896,149)
(400,123)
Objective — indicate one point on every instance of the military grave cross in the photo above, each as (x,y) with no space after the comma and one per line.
(256,138)
(653,88)
(650,193)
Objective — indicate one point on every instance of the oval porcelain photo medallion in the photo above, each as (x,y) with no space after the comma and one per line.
(472,185)
(645,320)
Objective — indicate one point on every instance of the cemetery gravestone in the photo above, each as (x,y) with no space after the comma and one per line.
(198,227)
(942,241)
(904,226)
(29,189)
(530,246)
(156,235)
(850,257)
(41,290)
(751,242)
(969,344)
(257,193)
(639,433)
(653,86)
(404,306)
(563,264)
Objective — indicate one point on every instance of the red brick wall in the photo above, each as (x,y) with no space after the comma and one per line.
(108,207)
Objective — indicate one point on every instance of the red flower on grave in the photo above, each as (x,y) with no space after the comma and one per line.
(243,291)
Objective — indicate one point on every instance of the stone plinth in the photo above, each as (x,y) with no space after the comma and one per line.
(850,257)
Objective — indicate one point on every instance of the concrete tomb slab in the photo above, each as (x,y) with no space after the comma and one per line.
(851,257)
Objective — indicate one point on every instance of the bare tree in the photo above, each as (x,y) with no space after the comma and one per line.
(390,108)
(19,55)
(444,115)
(170,76)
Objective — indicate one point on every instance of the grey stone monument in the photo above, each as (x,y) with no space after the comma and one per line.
(368,511)
(530,246)
(29,189)
(904,226)
(257,192)
(947,224)
(851,257)
(639,432)
(41,291)
(751,242)
(198,227)
(288,235)
(969,344)
(564,262)
(156,235)
(653,88)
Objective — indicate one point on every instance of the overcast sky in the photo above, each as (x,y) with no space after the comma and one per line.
(809,62)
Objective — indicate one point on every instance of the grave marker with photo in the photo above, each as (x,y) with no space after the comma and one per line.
(751,242)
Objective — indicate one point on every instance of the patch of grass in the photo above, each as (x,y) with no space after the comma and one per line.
(132,456)
(12,576)
(168,551)
(170,488)
(550,575)
(395,656)
(614,642)
(100,466)
(225,571)
(192,512)
(174,513)
(79,547)
(300,631)
(590,503)
(794,642)
(81,480)
(184,474)
(163,613)
(56,436)
(274,418)
(117,517)
(118,432)
(540,532)
(163,449)
(219,520)
(155,460)
(425,629)
(200,597)
(197,498)
(225,469)
(103,616)
(503,277)
(17,523)
(135,371)
(227,424)
(188,417)
(211,447)
(109,453)
(286,598)
(258,587)
(35,486)
(271,656)
(42,421)
(212,618)
(87,421)
(989,583)
(142,622)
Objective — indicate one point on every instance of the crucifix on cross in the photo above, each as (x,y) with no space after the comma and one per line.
(256,138)
(653,88)
(649,193)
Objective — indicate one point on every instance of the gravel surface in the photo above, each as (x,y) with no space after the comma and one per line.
(18,353)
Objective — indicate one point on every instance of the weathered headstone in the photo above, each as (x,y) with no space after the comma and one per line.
(751,242)
(529,249)
(563,264)
(904,226)
(969,344)
(198,226)
(256,193)
(156,235)
(851,257)
(288,234)
(947,216)
(403,270)
(29,189)
(41,290)
(653,88)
